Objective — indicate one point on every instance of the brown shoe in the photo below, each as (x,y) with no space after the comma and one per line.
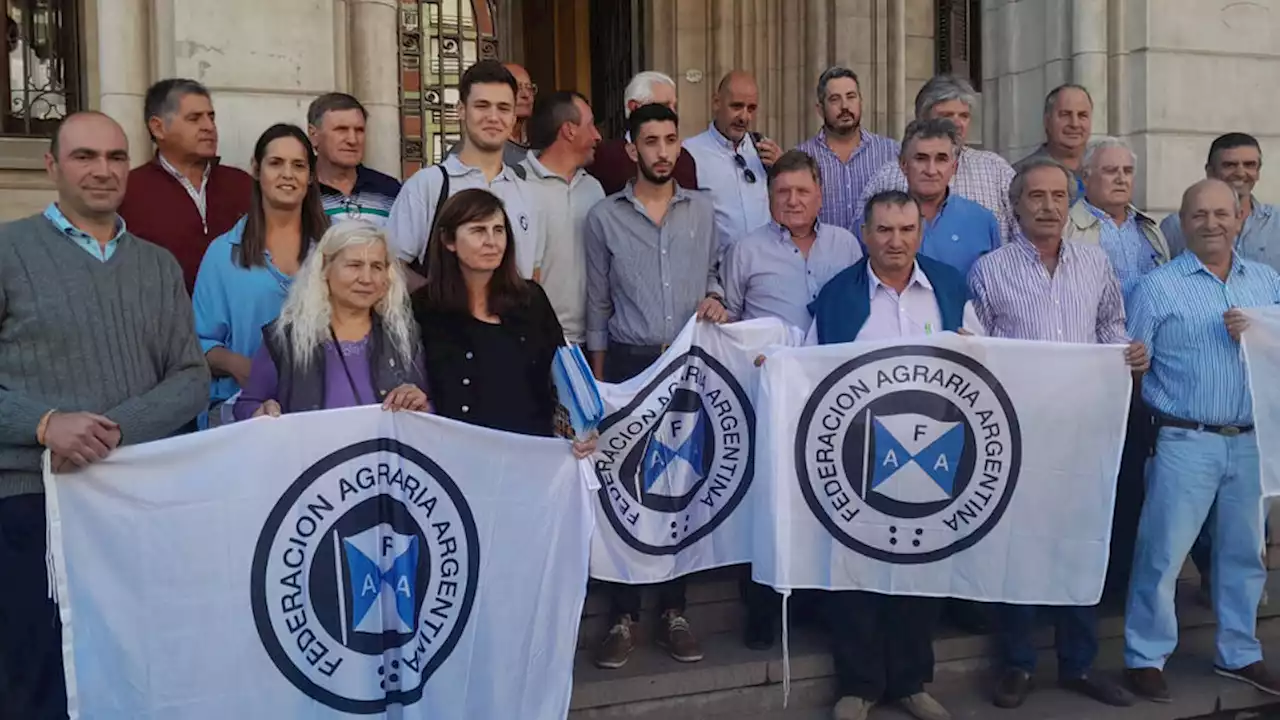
(1256,675)
(1148,683)
(1013,689)
(676,638)
(616,648)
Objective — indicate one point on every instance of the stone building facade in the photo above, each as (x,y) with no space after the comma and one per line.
(1167,74)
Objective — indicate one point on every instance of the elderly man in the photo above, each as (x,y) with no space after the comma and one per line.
(184,198)
(563,131)
(1236,159)
(732,160)
(1042,287)
(613,166)
(1105,216)
(882,645)
(350,189)
(1068,123)
(1188,313)
(847,153)
(957,231)
(981,176)
(92,356)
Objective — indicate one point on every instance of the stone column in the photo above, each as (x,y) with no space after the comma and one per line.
(123,70)
(375,70)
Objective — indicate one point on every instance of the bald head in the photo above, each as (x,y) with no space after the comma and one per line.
(88,161)
(735,104)
(526,91)
(1211,218)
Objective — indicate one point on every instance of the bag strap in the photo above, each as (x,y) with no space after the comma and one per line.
(419,265)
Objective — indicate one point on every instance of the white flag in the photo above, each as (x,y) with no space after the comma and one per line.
(343,564)
(676,457)
(950,467)
(1261,343)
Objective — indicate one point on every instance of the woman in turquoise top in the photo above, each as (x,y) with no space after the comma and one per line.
(246,273)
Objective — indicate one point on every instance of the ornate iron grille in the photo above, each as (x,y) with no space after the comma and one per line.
(41,75)
(439,39)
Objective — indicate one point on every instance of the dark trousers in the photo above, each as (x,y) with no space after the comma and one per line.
(622,364)
(31,680)
(1139,444)
(882,645)
(1075,636)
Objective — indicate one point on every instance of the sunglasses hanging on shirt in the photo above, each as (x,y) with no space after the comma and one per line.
(749,176)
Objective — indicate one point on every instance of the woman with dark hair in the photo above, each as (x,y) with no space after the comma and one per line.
(489,337)
(246,272)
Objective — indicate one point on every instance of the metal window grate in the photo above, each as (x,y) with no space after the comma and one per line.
(41,74)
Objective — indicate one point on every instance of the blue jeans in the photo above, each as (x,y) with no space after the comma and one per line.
(1191,472)
(1075,635)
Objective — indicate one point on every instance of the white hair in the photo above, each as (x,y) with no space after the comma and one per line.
(307,312)
(1099,144)
(640,89)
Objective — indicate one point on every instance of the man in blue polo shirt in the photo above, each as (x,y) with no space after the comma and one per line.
(957,231)
(351,191)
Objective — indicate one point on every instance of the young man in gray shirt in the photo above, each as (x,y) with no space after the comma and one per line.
(97,349)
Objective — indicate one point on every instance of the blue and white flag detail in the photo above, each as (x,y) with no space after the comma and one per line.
(339,564)
(676,457)
(945,467)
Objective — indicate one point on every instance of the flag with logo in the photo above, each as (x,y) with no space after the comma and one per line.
(676,454)
(340,564)
(950,466)
(1261,342)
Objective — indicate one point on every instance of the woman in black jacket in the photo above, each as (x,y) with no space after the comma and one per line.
(489,337)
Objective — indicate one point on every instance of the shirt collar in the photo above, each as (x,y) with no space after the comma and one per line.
(1191,264)
(629,194)
(1104,216)
(1025,245)
(917,278)
(864,139)
(784,235)
(204,180)
(457,168)
(723,141)
(60,221)
(1261,209)
(541,170)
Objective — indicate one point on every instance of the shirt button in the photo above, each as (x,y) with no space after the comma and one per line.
(466,408)
(466,381)
(664,252)
(469,355)
(392,361)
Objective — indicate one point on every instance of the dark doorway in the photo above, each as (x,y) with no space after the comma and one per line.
(616,55)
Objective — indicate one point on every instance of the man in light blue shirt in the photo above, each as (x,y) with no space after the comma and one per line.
(90,244)
(732,161)
(778,270)
(957,231)
(1188,314)
(1236,159)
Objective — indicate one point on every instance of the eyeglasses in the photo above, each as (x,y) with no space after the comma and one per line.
(747,175)
(531,88)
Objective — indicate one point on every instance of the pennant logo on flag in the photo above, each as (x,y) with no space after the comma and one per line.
(909,454)
(678,459)
(365,575)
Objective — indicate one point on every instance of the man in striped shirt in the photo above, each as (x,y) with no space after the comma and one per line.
(350,191)
(1206,452)
(1041,287)
(981,176)
(847,154)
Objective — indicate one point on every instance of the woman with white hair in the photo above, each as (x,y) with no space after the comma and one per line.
(345,336)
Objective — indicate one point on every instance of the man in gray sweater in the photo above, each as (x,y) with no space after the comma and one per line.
(97,349)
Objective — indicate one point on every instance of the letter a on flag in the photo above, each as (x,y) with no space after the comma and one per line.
(914,458)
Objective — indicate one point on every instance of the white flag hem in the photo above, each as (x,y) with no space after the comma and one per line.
(58,590)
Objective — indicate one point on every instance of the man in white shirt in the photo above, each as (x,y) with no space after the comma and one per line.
(488,96)
(563,134)
(732,160)
(882,645)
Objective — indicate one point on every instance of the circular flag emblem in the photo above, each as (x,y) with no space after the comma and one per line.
(908,454)
(364,576)
(675,462)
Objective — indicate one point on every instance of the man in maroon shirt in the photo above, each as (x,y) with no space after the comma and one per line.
(613,167)
(183,198)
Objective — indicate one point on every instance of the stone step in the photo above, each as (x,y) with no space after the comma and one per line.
(734,681)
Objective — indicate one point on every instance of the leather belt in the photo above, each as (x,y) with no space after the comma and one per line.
(1225,430)
(638,350)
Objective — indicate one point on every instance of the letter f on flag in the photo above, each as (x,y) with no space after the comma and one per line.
(380,564)
(914,458)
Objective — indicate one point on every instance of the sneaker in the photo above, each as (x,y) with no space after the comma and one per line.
(852,708)
(1012,690)
(922,706)
(1148,683)
(616,648)
(1256,675)
(676,638)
